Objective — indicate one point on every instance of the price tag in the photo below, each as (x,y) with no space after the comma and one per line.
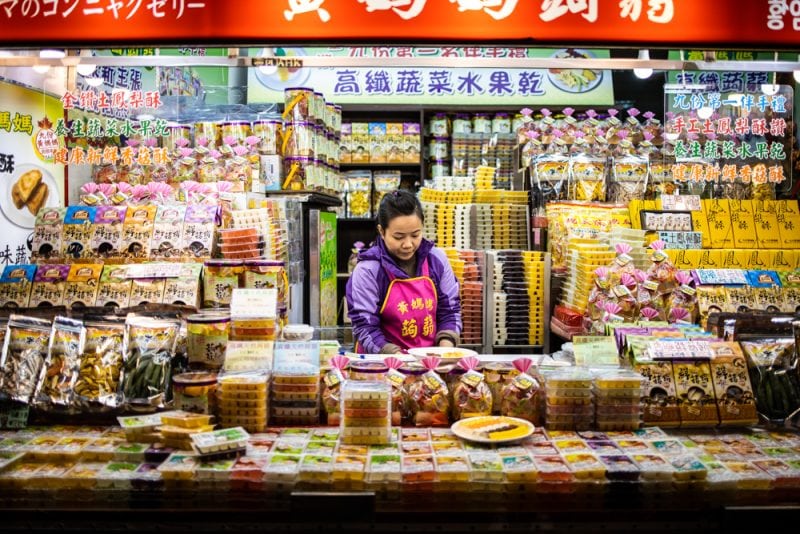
(254,303)
(249,355)
(297,357)
(153,270)
(680,203)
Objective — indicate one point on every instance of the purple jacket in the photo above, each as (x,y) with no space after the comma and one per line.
(367,287)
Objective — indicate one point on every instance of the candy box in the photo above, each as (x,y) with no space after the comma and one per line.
(147,477)
(78,230)
(48,286)
(83,281)
(15,285)
(185,288)
(137,230)
(83,475)
(47,234)
(214,470)
(282,468)
(147,291)
(179,466)
(688,467)
(418,469)
(694,387)
(107,235)
(167,238)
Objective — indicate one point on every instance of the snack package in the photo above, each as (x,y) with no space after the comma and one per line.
(60,369)
(48,286)
(198,231)
(15,285)
(47,234)
(623,264)
(662,270)
(521,397)
(137,231)
(471,394)
(107,236)
(588,175)
(430,402)
(78,230)
(82,283)
(648,298)
(599,293)
(400,404)
(149,346)
(550,177)
(773,368)
(628,179)
(331,392)
(115,287)
(167,236)
(24,351)
(97,384)
(684,295)
(624,295)
(383,182)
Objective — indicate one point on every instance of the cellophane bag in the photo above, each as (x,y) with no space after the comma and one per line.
(661,271)
(622,264)
(521,395)
(550,178)
(97,385)
(430,403)
(61,366)
(471,394)
(401,410)
(773,368)
(683,295)
(331,392)
(24,352)
(149,347)
(599,293)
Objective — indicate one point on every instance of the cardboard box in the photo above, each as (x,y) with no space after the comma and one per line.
(168,232)
(47,234)
(115,287)
(411,142)
(78,230)
(137,230)
(107,234)
(184,289)
(700,224)
(15,285)
(360,144)
(735,400)
(83,282)
(742,219)
(695,391)
(377,142)
(788,214)
(659,398)
(718,216)
(49,285)
(741,299)
(345,142)
(765,219)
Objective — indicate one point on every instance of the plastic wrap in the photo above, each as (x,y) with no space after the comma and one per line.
(471,394)
(683,296)
(60,369)
(773,368)
(24,352)
(430,403)
(588,178)
(661,271)
(521,397)
(332,386)
(149,346)
(550,178)
(401,410)
(628,179)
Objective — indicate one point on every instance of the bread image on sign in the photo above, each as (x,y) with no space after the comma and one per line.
(29,191)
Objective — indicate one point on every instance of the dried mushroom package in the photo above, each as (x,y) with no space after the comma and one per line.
(550,179)
(24,350)
(98,381)
(149,347)
(775,377)
(60,369)
(628,180)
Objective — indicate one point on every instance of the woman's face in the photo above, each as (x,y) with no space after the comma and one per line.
(402,236)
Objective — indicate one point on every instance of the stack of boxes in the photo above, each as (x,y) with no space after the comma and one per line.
(380,142)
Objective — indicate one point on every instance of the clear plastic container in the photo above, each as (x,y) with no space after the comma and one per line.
(220,440)
(618,379)
(620,467)
(568,380)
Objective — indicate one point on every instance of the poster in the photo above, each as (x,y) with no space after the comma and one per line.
(29,180)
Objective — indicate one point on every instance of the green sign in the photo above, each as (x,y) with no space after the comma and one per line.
(327,269)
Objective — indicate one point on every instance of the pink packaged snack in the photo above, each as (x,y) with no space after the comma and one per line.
(599,293)
(471,394)
(623,264)
(684,295)
(521,395)
(648,297)
(429,396)
(401,410)
(662,270)
(331,393)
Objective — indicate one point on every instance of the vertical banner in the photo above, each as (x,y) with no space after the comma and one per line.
(29,178)
(327,269)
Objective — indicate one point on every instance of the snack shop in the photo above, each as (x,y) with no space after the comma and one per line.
(608,196)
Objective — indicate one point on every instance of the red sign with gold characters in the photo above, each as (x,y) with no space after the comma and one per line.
(606,22)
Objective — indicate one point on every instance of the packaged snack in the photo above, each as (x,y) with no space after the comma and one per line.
(115,287)
(78,230)
(366,412)
(498,375)
(735,400)
(662,270)
(167,238)
(194,392)
(550,176)
(24,351)
(471,394)
(521,396)
(588,177)
(695,393)
(82,285)
(383,182)
(149,347)
(429,396)
(331,392)
(358,194)
(107,235)
(207,339)
(15,285)
(628,178)
(623,264)
(773,368)
(47,234)
(198,231)
(184,289)
(401,405)
(137,231)
(220,278)
(60,369)
(98,379)
(48,286)
(683,295)
(147,291)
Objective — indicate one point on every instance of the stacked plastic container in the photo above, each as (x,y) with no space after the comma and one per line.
(570,404)
(242,400)
(295,395)
(366,412)
(618,399)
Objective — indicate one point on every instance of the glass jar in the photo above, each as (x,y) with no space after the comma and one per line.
(207,337)
(363,370)
(195,392)
(266,274)
(439,167)
(220,278)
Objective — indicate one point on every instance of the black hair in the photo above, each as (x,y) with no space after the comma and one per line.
(397,204)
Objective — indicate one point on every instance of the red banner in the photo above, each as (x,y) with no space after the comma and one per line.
(749,23)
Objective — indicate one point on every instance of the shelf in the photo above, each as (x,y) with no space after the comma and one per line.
(415,166)
(356,220)
(312,197)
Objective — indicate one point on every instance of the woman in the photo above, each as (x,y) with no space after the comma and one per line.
(403,293)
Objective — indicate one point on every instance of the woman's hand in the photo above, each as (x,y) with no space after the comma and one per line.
(446,343)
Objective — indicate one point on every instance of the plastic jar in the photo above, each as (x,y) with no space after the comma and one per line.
(462,124)
(266,274)
(220,278)
(206,134)
(207,337)
(439,167)
(501,123)
(440,126)
(481,123)
(270,133)
(298,332)
(294,172)
(297,104)
(175,132)
(298,139)
(238,130)
(363,370)
(439,148)
(195,392)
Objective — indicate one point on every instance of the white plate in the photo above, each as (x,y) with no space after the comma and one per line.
(23,217)
(462,430)
(452,353)
(574,80)
(271,79)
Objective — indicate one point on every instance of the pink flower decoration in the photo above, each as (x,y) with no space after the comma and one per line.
(469,363)
(201,141)
(229,140)
(532,134)
(568,112)
(613,112)
(132,142)
(240,150)
(622,134)
(678,314)
(623,248)
(601,272)
(627,280)
(558,134)
(215,154)
(107,190)
(182,142)
(613,308)
(340,362)
(185,152)
(648,136)
(682,277)
(670,115)
(633,112)
(150,143)
(579,134)
(641,276)
(526,111)
(252,140)
(649,313)
(90,188)
(124,188)
(522,364)
(224,187)
(599,132)
(591,113)
(546,112)
(392,362)
(648,115)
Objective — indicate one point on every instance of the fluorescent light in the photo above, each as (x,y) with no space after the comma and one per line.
(94,81)
(86,69)
(643,73)
(50,53)
(41,69)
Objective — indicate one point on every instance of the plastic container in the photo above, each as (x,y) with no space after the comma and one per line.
(220,278)
(194,392)
(364,370)
(206,337)
(220,440)
(297,332)
(366,408)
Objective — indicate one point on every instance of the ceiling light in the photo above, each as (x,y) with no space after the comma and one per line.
(643,73)
(94,81)
(41,69)
(49,53)
(86,69)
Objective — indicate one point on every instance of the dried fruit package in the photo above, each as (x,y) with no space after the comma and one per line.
(149,346)
(331,392)
(401,410)
(472,396)
(773,368)
(521,395)
(622,264)
(97,386)
(429,396)
(24,351)
(662,270)
(60,369)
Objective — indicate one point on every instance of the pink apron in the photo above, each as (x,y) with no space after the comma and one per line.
(408,313)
